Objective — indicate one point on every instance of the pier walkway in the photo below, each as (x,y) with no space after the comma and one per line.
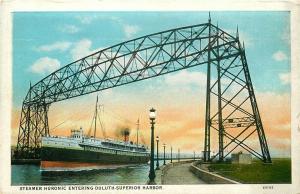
(179,174)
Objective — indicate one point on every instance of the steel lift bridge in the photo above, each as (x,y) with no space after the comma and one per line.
(231,107)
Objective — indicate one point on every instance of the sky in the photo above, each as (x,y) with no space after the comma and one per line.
(46,41)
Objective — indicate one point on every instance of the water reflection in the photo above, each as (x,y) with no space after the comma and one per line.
(31,175)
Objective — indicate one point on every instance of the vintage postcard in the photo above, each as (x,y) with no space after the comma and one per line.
(178,97)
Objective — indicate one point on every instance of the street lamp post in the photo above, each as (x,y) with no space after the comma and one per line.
(194,155)
(157,162)
(152,122)
(178,154)
(171,154)
(164,154)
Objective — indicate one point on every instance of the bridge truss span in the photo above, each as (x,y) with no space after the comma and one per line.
(147,57)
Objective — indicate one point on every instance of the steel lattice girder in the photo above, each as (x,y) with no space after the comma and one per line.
(143,58)
(235,71)
(131,61)
(33,125)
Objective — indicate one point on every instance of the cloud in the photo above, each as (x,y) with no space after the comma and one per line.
(70,29)
(44,65)
(81,49)
(270,104)
(116,19)
(279,56)
(61,46)
(185,77)
(87,19)
(130,30)
(180,118)
(285,78)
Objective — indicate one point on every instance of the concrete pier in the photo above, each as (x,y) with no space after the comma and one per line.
(177,173)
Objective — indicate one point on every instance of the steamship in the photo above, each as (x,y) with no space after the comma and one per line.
(79,151)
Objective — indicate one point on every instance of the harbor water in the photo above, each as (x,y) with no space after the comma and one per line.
(32,175)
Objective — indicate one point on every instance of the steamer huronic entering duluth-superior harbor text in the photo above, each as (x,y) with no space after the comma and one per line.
(79,151)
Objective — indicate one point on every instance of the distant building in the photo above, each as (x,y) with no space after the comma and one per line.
(241,158)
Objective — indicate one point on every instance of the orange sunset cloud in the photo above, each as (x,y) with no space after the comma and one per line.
(180,118)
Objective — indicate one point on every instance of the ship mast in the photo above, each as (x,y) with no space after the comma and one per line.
(96,111)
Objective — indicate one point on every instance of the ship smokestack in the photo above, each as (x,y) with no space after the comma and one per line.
(123,132)
(126,136)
